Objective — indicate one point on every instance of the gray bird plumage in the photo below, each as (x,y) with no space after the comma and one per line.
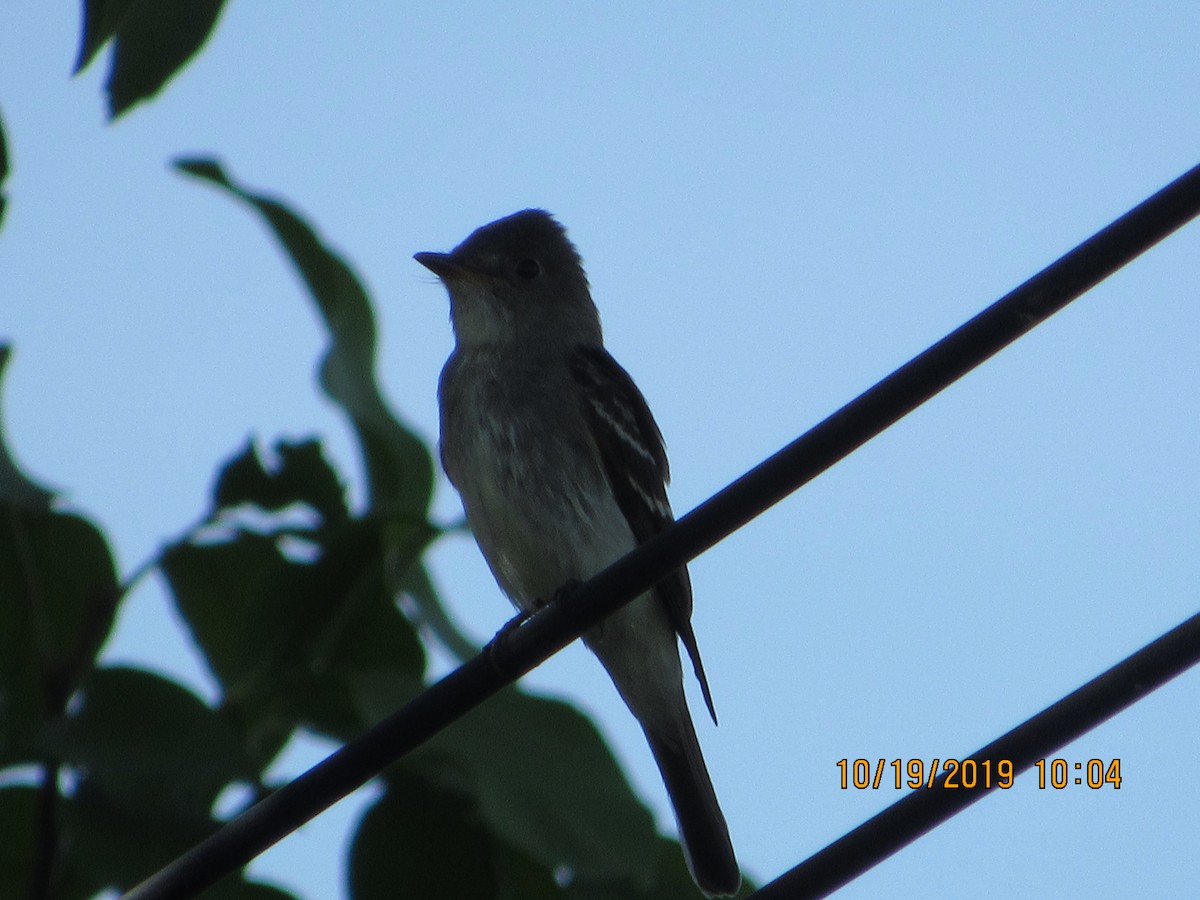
(562,471)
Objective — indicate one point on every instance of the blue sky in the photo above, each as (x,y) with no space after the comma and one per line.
(777,205)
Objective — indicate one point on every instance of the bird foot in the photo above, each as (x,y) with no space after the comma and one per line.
(569,587)
(497,647)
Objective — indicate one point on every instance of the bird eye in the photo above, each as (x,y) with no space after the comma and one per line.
(529,269)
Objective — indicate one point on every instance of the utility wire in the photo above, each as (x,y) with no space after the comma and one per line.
(1037,738)
(519,650)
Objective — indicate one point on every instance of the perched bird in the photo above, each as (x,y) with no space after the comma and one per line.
(562,471)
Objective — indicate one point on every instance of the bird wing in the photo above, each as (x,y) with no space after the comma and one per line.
(635,461)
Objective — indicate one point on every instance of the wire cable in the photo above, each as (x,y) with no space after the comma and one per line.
(518,650)
(1037,738)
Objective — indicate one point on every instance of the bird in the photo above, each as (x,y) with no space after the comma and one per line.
(562,470)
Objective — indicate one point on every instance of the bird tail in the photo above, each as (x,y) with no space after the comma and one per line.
(702,829)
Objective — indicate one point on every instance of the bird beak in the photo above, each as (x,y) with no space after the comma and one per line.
(443,265)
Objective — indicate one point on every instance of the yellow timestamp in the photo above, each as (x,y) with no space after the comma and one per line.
(1095,773)
(971,774)
(863,774)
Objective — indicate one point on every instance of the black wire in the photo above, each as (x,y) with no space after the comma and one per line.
(1037,738)
(521,649)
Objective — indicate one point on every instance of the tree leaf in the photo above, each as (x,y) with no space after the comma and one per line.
(16,489)
(147,759)
(58,599)
(150,746)
(3,176)
(334,628)
(214,587)
(398,464)
(421,837)
(546,783)
(318,643)
(100,21)
(104,846)
(152,40)
(18,805)
(302,475)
